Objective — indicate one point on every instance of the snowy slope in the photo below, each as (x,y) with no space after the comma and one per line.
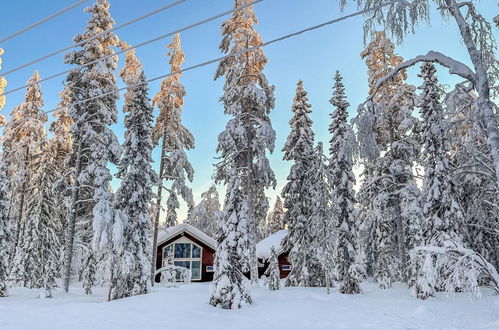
(187,307)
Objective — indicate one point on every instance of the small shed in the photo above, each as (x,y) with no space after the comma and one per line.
(191,248)
(263,253)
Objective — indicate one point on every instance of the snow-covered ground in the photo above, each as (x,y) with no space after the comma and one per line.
(186,307)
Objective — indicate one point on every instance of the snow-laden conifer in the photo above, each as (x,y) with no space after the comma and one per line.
(176,138)
(248,136)
(297,193)
(24,140)
(131,231)
(443,217)
(230,288)
(94,143)
(275,221)
(273,273)
(206,214)
(5,230)
(388,147)
(347,271)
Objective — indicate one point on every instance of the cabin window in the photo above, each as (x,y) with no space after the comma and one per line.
(185,254)
(286,267)
(209,269)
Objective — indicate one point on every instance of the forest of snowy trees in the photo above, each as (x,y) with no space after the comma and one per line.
(424,210)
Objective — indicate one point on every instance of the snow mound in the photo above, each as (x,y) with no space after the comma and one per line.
(274,240)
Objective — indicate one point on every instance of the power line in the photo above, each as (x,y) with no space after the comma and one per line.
(138,45)
(218,59)
(94,37)
(13,35)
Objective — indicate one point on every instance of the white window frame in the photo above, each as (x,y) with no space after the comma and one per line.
(287,266)
(183,240)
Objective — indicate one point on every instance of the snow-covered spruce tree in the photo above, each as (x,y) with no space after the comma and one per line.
(442,214)
(473,174)
(347,271)
(5,230)
(297,193)
(175,140)
(24,139)
(94,143)
(275,220)
(230,287)
(206,214)
(248,99)
(388,147)
(131,233)
(273,273)
(321,227)
(399,18)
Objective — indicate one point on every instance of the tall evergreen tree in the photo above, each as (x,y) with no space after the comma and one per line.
(131,234)
(442,214)
(388,147)
(230,289)
(5,232)
(25,138)
(206,214)
(297,194)
(94,143)
(343,195)
(176,139)
(275,220)
(248,99)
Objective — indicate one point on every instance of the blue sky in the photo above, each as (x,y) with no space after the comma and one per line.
(313,57)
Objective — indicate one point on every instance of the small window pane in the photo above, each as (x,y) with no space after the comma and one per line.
(196,251)
(196,270)
(185,264)
(182,250)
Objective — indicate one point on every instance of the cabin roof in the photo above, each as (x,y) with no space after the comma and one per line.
(169,233)
(274,240)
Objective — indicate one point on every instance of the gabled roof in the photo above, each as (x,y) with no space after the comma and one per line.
(168,233)
(274,240)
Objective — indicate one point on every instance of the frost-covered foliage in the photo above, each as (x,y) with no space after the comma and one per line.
(230,287)
(321,227)
(206,214)
(273,273)
(388,196)
(275,219)
(5,230)
(176,138)
(452,268)
(401,17)
(248,136)
(344,217)
(24,140)
(474,174)
(298,192)
(443,218)
(171,274)
(131,229)
(94,143)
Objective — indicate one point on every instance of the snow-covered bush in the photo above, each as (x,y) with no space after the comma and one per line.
(273,280)
(171,275)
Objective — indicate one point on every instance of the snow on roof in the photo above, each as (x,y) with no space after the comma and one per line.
(166,234)
(274,240)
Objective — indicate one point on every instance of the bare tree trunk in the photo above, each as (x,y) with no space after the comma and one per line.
(158,210)
(70,234)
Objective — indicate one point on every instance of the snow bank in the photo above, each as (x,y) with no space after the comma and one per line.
(274,240)
(187,308)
